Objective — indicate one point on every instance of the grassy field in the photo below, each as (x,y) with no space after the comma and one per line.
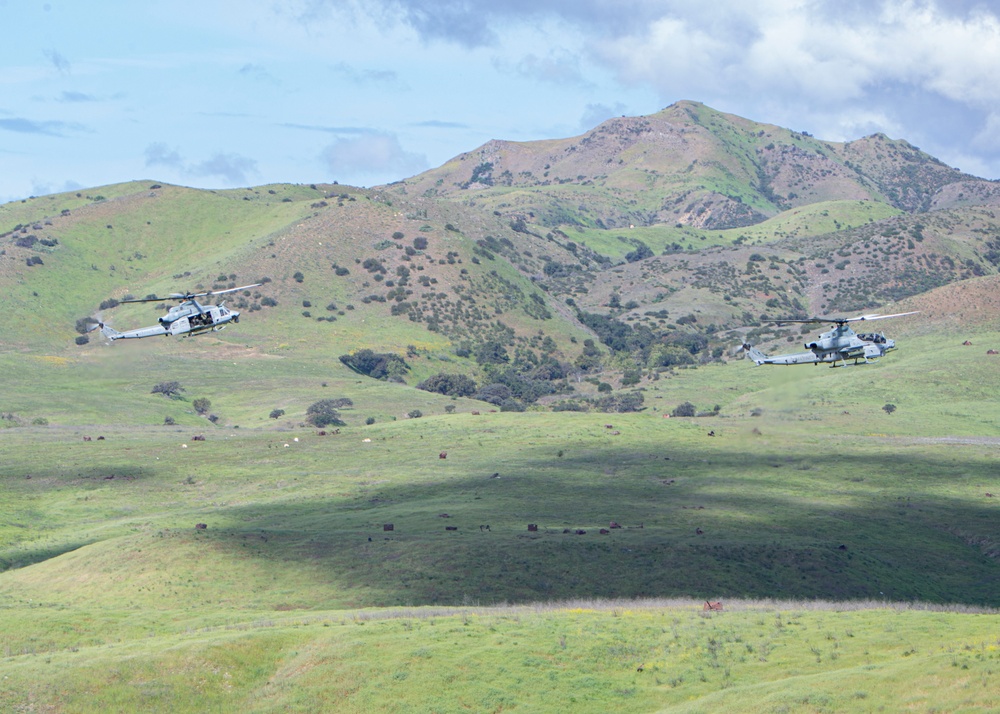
(855,549)
(831,512)
(580,656)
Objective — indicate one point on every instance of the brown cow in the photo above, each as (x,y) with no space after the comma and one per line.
(443,455)
(712,606)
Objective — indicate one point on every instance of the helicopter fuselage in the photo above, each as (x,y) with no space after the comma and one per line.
(837,345)
(189,318)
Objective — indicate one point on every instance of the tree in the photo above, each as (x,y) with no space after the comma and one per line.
(324,413)
(171,390)
(201,405)
(889,408)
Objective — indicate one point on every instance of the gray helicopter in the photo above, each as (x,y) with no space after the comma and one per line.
(187,318)
(837,345)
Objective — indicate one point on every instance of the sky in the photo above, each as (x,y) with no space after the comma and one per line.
(222,94)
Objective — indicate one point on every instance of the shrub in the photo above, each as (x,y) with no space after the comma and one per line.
(324,413)
(168,421)
(415,414)
(494,393)
(449,408)
(168,389)
(684,410)
(369,421)
(84,325)
(201,405)
(889,408)
(621,402)
(298,276)
(452,385)
(420,243)
(82,340)
(378,365)
(569,407)
(276,413)
(511,405)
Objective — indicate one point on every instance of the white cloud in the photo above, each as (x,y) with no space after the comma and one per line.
(235,169)
(159,154)
(376,155)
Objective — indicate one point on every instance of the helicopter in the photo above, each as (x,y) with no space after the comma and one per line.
(187,318)
(837,345)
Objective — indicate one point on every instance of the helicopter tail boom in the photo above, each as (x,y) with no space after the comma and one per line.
(113,334)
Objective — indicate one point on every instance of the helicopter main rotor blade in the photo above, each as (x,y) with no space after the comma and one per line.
(151,299)
(189,296)
(841,320)
(866,318)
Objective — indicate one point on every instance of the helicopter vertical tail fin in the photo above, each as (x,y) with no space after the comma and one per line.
(110,332)
(755,354)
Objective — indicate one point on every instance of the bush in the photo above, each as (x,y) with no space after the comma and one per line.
(369,421)
(569,407)
(201,405)
(449,408)
(889,408)
(415,414)
(494,393)
(378,365)
(420,243)
(621,402)
(82,340)
(298,276)
(171,390)
(511,405)
(452,385)
(276,413)
(84,325)
(324,413)
(684,410)
(168,421)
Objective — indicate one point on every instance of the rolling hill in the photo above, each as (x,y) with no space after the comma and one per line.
(449,548)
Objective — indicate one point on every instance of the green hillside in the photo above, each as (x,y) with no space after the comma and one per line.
(508,340)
